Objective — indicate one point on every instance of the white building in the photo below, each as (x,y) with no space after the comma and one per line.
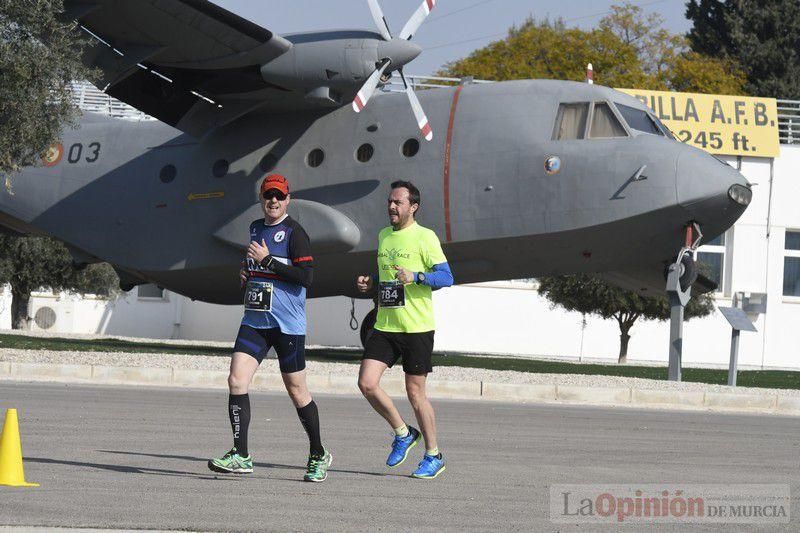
(760,254)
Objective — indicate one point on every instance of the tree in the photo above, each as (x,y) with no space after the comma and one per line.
(32,263)
(544,49)
(627,49)
(653,44)
(763,37)
(588,295)
(39,57)
(667,60)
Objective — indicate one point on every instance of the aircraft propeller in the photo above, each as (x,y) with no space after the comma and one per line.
(396,52)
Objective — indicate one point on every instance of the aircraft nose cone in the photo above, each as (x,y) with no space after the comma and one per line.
(714,193)
(399,51)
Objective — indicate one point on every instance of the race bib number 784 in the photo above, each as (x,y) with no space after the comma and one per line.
(392,294)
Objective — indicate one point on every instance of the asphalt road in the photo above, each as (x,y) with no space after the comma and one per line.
(126,457)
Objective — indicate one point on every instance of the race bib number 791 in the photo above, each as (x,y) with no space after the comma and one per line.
(258,296)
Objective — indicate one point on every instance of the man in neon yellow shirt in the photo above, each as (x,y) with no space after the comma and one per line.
(410,265)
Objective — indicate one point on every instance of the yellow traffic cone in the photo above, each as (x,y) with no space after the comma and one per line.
(11,472)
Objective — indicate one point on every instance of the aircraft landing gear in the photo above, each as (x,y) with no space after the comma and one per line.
(687,269)
(680,276)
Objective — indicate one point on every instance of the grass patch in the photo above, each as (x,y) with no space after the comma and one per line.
(23,342)
(773,379)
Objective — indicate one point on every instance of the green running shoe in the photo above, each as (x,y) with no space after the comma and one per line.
(317,469)
(232,463)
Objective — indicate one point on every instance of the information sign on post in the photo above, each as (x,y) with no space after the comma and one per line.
(738,320)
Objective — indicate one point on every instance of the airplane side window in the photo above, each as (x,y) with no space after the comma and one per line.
(604,123)
(267,163)
(638,119)
(365,152)
(410,148)
(571,121)
(220,168)
(315,157)
(168,174)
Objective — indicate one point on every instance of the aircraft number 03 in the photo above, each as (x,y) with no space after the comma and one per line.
(76,152)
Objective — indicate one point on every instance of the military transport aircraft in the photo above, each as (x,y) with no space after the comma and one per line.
(520,178)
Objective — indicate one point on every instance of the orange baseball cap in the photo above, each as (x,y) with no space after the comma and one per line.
(275,181)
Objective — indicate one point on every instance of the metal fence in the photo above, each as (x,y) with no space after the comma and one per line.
(789,121)
(395,84)
(88,98)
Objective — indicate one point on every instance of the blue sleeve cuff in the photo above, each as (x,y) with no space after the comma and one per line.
(439,277)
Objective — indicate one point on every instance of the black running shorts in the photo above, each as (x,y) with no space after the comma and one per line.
(415,349)
(291,349)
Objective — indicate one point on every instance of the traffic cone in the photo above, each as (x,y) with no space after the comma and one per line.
(11,472)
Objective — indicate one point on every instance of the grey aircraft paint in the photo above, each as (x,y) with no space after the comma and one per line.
(173,207)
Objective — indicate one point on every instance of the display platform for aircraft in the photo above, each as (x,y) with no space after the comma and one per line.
(135,458)
(519,179)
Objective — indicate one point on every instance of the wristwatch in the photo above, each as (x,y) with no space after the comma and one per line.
(267,261)
(420,277)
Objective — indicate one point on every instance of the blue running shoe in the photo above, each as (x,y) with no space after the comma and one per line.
(430,467)
(401,447)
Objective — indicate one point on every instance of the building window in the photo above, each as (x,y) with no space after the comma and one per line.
(791,264)
(150,291)
(711,257)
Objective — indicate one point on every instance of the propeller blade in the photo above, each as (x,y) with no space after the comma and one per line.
(366,91)
(419,114)
(417,19)
(380,20)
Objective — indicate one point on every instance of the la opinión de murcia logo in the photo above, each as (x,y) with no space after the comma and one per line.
(673,503)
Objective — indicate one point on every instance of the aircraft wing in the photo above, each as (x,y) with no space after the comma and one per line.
(189,63)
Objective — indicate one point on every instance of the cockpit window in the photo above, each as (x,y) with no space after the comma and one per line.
(664,129)
(604,123)
(571,121)
(639,120)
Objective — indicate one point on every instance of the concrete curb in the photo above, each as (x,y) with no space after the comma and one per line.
(767,403)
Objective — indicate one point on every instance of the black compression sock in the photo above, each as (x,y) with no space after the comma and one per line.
(239,413)
(309,417)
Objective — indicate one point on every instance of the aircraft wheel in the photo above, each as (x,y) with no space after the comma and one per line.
(689,271)
(368,326)
(689,274)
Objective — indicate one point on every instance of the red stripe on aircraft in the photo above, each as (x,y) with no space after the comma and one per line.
(447,148)
(359,103)
(426,130)
(431,3)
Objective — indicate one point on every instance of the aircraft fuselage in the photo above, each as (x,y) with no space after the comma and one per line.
(167,208)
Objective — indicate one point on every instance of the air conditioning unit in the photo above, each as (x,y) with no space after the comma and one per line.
(45,318)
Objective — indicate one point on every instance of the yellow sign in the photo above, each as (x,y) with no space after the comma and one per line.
(205,195)
(728,125)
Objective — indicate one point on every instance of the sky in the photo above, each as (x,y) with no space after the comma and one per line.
(454,28)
